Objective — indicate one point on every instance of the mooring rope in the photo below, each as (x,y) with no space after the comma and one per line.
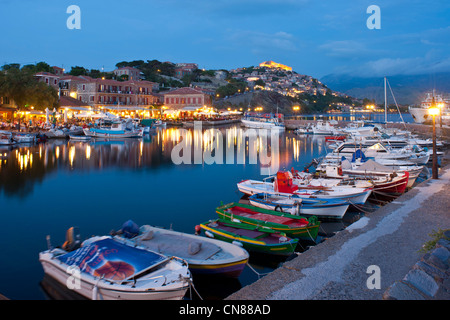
(256,272)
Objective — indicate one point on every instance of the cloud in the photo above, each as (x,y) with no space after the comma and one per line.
(260,41)
(344,48)
(405,66)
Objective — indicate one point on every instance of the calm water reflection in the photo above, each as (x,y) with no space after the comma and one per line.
(97,185)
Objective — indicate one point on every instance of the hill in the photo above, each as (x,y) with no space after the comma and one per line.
(407,89)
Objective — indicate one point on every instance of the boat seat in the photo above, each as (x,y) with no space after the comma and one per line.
(179,246)
(194,248)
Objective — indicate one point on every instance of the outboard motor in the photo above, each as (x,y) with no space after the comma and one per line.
(73,239)
(130,229)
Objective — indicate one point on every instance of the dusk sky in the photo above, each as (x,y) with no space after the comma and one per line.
(314,37)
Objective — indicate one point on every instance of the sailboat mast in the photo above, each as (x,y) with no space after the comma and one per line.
(385,101)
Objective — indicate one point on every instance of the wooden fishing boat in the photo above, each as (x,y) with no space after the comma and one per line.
(293,226)
(285,184)
(252,238)
(204,255)
(294,204)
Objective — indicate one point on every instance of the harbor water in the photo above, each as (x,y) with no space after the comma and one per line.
(98,185)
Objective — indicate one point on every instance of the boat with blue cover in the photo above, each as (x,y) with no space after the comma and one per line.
(102,268)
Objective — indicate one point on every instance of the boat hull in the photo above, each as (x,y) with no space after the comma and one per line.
(89,289)
(291,225)
(112,134)
(254,245)
(262,125)
(325,211)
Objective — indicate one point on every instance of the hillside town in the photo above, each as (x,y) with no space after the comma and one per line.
(131,91)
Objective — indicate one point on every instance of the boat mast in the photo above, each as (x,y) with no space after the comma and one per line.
(385,102)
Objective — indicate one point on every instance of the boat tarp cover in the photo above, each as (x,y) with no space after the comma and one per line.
(111,259)
(371,165)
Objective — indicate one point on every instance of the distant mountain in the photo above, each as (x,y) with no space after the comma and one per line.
(407,89)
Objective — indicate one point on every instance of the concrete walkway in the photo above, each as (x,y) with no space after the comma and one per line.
(341,267)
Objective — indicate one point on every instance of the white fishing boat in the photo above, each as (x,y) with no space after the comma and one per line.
(117,130)
(263,121)
(205,256)
(105,269)
(80,137)
(159,123)
(284,184)
(296,205)
(24,138)
(324,128)
(6,138)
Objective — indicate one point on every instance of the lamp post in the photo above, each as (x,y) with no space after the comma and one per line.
(434,111)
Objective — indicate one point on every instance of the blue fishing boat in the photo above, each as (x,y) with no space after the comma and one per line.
(118,129)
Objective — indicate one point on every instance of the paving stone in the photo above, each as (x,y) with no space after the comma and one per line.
(422,281)
(437,274)
(400,290)
(443,255)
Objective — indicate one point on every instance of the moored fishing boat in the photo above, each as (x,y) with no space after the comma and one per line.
(117,130)
(384,179)
(263,121)
(80,137)
(110,270)
(6,138)
(24,138)
(293,226)
(294,204)
(204,255)
(284,184)
(252,238)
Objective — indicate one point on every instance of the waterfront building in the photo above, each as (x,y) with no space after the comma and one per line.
(130,72)
(186,97)
(118,95)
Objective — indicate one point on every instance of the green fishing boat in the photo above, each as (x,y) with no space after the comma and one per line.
(250,237)
(292,225)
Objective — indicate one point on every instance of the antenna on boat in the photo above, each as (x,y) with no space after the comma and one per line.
(49,244)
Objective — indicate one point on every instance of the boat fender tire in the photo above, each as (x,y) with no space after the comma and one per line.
(279,209)
(209,234)
(238,243)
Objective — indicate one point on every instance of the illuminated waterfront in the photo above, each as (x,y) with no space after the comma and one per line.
(98,185)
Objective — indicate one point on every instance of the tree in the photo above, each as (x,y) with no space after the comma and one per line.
(21,86)
(78,71)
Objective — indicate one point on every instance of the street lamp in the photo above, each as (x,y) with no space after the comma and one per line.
(434,111)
